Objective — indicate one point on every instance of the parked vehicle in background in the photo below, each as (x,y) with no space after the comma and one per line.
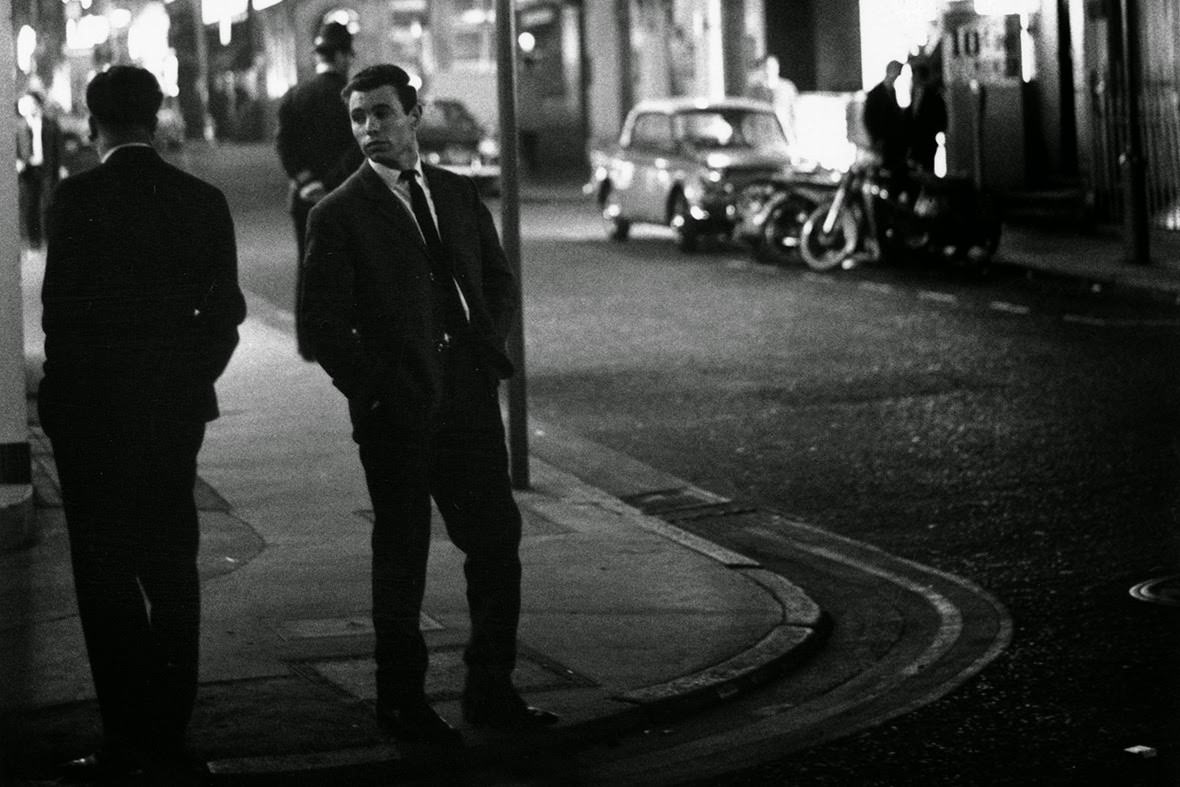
(682,162)
(771,211)
(450,137)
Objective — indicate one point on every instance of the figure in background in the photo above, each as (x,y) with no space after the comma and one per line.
(767,84)
(39,164)
(141,308)
(885,122)
(407,300)
(927,118)
(314,139)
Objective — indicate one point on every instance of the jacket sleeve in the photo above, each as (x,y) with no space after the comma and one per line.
(222,307)
(499,282)
(289,141)
(327,310)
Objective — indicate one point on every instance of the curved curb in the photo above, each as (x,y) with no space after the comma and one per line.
(801,629)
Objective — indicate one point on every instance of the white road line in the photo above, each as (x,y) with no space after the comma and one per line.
(1010,308)
(1081,320)
(1127,322)
(940,297)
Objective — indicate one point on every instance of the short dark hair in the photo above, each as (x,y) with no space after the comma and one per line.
(379,75)
(124,96)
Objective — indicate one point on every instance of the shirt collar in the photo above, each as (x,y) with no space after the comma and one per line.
(392,177)
(107,155)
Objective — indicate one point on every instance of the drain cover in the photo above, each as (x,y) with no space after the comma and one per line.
(1162,590)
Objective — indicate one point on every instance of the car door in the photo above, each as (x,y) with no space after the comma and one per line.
(651,140)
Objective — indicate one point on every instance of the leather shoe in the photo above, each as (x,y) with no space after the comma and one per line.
(417,721)
(504,710)
(99,767)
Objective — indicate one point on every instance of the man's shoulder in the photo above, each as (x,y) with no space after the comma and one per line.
(345,195)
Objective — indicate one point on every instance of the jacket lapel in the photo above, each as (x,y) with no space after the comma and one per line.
(389,206)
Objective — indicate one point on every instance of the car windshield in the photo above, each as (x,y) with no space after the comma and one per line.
(731,128)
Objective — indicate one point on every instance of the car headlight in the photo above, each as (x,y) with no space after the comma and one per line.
(489,148)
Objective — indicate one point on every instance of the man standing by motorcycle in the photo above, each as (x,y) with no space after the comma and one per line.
(884,120)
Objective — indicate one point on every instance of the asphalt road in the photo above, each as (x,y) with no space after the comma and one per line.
(1021,435)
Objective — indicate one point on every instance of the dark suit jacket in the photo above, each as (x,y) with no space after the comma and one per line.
(885,122)
(366,304)
(141,297)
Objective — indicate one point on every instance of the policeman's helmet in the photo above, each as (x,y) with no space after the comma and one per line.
(333,37)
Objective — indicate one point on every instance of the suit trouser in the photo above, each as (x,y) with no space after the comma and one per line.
(32,194)
(462,463)
(127,489)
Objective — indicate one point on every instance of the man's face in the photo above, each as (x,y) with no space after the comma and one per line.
(382,128)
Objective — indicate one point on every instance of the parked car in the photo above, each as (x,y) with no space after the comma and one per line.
(450,137)
(682,162)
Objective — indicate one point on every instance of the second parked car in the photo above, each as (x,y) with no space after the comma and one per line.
(682,162)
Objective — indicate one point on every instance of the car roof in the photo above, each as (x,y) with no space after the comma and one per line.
(685,103)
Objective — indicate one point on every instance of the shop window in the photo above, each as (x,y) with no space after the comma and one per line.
(473,35)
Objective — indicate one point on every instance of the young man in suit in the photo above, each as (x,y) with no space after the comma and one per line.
(39,151)
(314,138)
(141,308)
(407,299)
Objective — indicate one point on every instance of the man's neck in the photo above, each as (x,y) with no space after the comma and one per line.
(106,143)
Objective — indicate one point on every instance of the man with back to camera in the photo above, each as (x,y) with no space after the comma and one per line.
(141,308)
(314,139)
(411,328)
(884,120)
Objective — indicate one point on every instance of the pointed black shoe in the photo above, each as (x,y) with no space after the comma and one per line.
(100,767)
(501,708)
(417,722)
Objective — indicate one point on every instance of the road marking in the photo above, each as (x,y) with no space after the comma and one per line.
(872,286)
(1081,320)
(940,297)
(1010,308)
(1126,322)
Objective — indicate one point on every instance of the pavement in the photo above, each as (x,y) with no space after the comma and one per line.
(627,620)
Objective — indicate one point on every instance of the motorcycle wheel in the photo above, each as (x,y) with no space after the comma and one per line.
(824,251)
(782,230)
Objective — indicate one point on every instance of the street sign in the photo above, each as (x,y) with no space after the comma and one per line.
(983,49)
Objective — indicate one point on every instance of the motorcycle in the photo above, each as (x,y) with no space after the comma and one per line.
(875,214)
(771,212)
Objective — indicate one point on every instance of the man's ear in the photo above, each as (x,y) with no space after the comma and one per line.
(416,114)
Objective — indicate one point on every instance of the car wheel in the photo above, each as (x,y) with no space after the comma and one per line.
(687,234)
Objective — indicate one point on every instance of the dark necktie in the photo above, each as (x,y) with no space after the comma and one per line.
(423,217)
(445,288)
